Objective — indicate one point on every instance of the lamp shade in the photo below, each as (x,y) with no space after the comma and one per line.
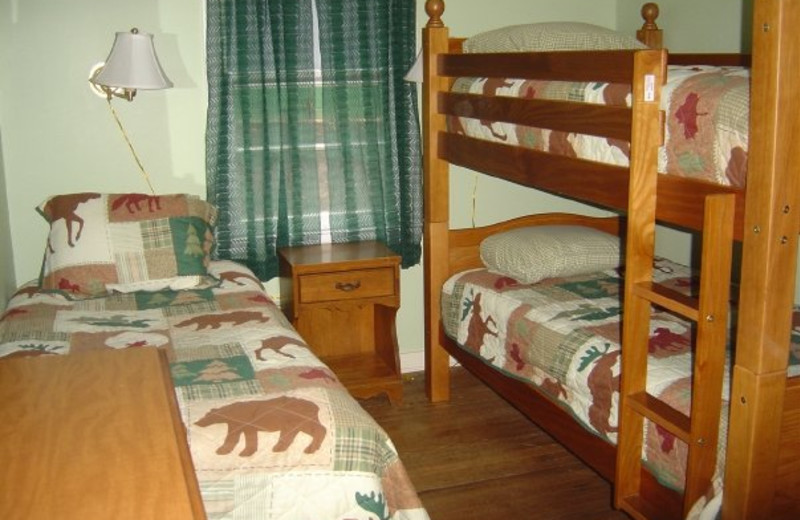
(133,64)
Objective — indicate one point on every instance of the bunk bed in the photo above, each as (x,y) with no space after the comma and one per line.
(271,430)
(758,471)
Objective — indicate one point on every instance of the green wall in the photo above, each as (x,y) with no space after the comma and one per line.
(7,275)
(57,136)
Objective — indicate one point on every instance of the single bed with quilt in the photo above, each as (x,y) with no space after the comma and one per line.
(271,431)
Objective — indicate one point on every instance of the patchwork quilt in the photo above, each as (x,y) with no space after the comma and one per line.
(272,432)
(563,336)
(707,116)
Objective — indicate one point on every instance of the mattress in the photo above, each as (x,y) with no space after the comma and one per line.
(272,432)
(707,117)
(563,336)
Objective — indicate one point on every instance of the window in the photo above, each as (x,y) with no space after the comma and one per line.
(313,135)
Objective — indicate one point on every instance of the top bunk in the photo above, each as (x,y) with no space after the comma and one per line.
(554,106)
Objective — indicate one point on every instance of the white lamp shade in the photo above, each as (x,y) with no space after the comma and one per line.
(133,64)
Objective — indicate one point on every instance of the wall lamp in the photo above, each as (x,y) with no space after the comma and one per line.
(131,66)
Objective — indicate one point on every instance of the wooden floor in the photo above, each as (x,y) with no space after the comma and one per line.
(476,457)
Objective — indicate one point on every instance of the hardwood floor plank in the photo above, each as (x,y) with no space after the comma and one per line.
(476,457)
(525,496)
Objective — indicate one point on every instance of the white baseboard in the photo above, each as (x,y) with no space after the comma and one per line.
(412,362)
(415,362)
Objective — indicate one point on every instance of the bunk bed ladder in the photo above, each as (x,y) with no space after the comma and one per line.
(709,310)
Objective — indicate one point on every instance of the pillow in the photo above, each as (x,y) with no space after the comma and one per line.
(101,243)
(530,254)
(551,36)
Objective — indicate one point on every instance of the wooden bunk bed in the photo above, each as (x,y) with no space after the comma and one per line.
(762,459)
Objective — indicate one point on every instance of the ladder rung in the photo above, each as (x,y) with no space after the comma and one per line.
(662,414)
(668,298)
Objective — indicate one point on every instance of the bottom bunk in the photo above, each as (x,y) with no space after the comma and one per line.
(552,347)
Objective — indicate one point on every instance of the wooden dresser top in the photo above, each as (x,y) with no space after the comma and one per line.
(93,435)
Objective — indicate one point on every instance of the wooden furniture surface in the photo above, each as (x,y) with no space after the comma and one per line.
(94,435)
(343,300)
(762,477)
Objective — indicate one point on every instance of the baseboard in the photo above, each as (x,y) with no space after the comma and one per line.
(415,362)
(412,362)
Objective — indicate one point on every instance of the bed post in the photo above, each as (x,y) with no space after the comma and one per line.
(650,34)
(768,262)
(437,212)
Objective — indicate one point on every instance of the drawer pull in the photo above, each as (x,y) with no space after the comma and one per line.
(348,286)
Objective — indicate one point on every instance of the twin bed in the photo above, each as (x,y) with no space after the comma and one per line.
(271,431)
(659,402)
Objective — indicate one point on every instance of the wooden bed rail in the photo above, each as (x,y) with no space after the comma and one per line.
(600,66)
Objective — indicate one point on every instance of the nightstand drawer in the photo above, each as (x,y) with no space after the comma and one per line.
(347,285)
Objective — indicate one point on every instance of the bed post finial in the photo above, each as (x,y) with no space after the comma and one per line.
(650,34)
(650,13)
(434,8)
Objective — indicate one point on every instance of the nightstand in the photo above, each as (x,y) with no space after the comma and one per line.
(343,300)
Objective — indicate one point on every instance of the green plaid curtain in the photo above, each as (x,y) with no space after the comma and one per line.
(310,145)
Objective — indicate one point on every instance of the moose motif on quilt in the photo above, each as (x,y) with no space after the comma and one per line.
(602,385)
(616,94)
(133,202)
(275,344)
(65,208)
(286,415)
(236,276)
(490,87)
(478,327)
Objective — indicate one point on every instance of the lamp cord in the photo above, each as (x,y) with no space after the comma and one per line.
(130,146)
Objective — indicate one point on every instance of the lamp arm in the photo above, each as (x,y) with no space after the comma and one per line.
(123,93)
(130,145)
(109,92)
